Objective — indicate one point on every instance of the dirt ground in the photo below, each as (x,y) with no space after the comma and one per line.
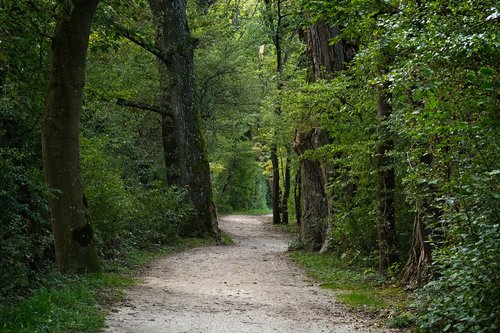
(249,287)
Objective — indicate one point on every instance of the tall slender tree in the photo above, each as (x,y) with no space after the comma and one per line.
(73,238)
(275,17)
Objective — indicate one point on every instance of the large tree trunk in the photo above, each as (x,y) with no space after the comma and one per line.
(315,200)
(167,122)
(325,60)
(74,242)
(177,47)
(169,150)
(387,236)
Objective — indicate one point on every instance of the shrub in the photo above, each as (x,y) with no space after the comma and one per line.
(25,230)
(464,298)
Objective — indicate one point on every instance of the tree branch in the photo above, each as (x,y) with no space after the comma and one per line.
(143,106)
(137,40)
(144,45)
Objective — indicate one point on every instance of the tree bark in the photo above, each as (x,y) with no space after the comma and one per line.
(75,248)
(315,199)
(275,185)
(286,188)
(169,151)
(297,196)
(387,236)
(325,60)
(417,270)
(177,47)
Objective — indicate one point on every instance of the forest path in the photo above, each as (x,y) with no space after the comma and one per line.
(249,287)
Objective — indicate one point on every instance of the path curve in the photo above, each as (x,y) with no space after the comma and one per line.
(249,287)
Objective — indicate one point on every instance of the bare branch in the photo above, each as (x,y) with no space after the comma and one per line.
(144,45)
(143,106)
(139,41)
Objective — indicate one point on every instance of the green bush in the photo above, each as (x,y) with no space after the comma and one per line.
(464,298)
(110,205)
(124,213)
(160,211)
(25,230)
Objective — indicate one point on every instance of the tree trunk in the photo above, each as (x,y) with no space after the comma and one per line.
(325,60)
(275,186)
(417,270)
(286,188)
(75,248)
(169,150)
(297,196)
(387,236)
(167,123)
(177,48)
(315,200)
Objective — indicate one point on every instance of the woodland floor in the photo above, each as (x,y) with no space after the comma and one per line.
(249,287)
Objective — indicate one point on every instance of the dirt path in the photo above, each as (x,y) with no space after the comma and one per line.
(249,287)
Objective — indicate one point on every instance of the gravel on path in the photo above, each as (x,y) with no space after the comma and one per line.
(249,287)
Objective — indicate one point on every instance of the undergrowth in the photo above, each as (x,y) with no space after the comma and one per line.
(79,303)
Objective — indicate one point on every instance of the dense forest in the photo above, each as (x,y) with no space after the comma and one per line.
(371,125)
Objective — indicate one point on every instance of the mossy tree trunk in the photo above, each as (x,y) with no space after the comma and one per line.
(75,248)
(177,48)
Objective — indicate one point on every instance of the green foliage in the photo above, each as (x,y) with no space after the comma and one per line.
(438,59)
(351,125)
(125,216)
(226,63)
(24,227)
(110,205)
(465,296)
(25,232)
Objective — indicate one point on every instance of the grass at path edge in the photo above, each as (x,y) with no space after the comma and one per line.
(80,303)
(360,290)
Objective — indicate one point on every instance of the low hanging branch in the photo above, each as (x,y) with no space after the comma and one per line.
(143,106)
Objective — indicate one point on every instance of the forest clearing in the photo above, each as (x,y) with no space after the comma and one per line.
(130,131)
